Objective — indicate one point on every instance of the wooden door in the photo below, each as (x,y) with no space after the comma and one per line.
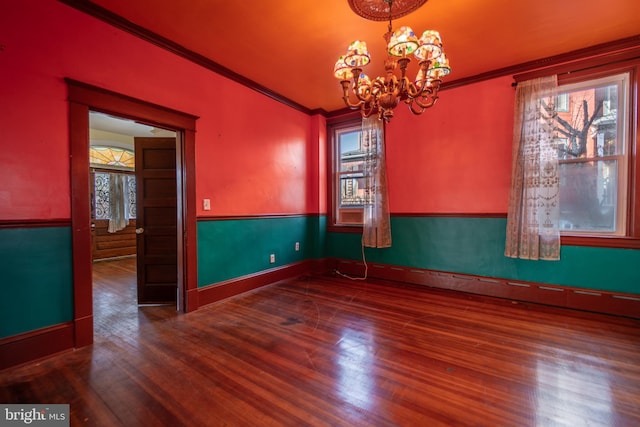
(156,219)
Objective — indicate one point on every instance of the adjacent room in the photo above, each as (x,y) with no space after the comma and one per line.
(344,213)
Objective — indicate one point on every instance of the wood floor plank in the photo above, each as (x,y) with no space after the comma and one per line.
(326,351)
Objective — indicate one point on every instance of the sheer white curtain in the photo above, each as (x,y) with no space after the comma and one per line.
(118,202)
(534,205)
(376,232)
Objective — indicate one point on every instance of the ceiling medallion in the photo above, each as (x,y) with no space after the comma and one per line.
(378,10)
(382,94)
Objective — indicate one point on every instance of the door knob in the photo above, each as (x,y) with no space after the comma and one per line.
(139,230)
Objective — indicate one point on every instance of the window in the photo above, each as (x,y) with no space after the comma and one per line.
(591,131)
(105,162)
(348,172)
(599,160)
(114,157)
(101,200)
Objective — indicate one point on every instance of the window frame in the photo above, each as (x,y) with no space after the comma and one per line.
(334,127)
(620,158)
(631,237)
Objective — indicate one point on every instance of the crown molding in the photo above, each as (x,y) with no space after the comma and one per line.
(626,47)
(117,21)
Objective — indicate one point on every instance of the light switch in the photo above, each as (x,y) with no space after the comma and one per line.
(206,204)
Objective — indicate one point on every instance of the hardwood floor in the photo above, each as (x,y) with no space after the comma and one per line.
(326,351)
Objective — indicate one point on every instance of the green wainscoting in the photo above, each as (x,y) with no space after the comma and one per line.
(476,246)
(36,278)
(232,248)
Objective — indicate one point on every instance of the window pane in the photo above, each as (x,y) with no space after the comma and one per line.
(350,151)
(562,102)
(351,190)
(588,196)
(132,195)
(111,156)
(588,122)
(351,168)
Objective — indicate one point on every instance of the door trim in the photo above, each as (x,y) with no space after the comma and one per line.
(82,98)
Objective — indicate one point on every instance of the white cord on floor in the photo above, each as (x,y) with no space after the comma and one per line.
(364,260)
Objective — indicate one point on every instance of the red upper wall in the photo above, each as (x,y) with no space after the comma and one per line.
(254,155)
(456,156)
(252,152)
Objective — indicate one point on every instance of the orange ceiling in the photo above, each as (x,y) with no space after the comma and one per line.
(290,46)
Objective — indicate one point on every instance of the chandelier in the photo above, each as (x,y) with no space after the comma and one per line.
(382,94)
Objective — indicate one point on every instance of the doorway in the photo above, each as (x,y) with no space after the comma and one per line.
(133,202)
(82,99)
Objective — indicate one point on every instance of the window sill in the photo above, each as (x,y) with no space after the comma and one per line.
(345,228)
(601,241)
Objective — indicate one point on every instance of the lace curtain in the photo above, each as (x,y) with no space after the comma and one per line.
(376,231)
(118,202)
(533,214)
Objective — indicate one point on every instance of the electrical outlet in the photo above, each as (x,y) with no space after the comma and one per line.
(297,246)
(272,258)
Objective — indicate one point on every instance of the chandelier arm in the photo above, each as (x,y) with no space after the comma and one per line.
(363,92)
(363,109)
(411,89)
(400,87)
(402,63)
(424,71)
(431,95)
(435,86)
(378,88)
(432,98)
(412,109)
(350,105)
(394,83)
(346,97)
(366,94)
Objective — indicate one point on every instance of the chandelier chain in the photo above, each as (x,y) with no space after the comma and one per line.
(390,27)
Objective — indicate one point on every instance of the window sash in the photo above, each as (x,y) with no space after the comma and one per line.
(580,218)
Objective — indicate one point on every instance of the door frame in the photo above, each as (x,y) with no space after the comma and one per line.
(83,98)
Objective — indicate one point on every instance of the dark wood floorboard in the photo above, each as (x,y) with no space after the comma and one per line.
(326,351)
